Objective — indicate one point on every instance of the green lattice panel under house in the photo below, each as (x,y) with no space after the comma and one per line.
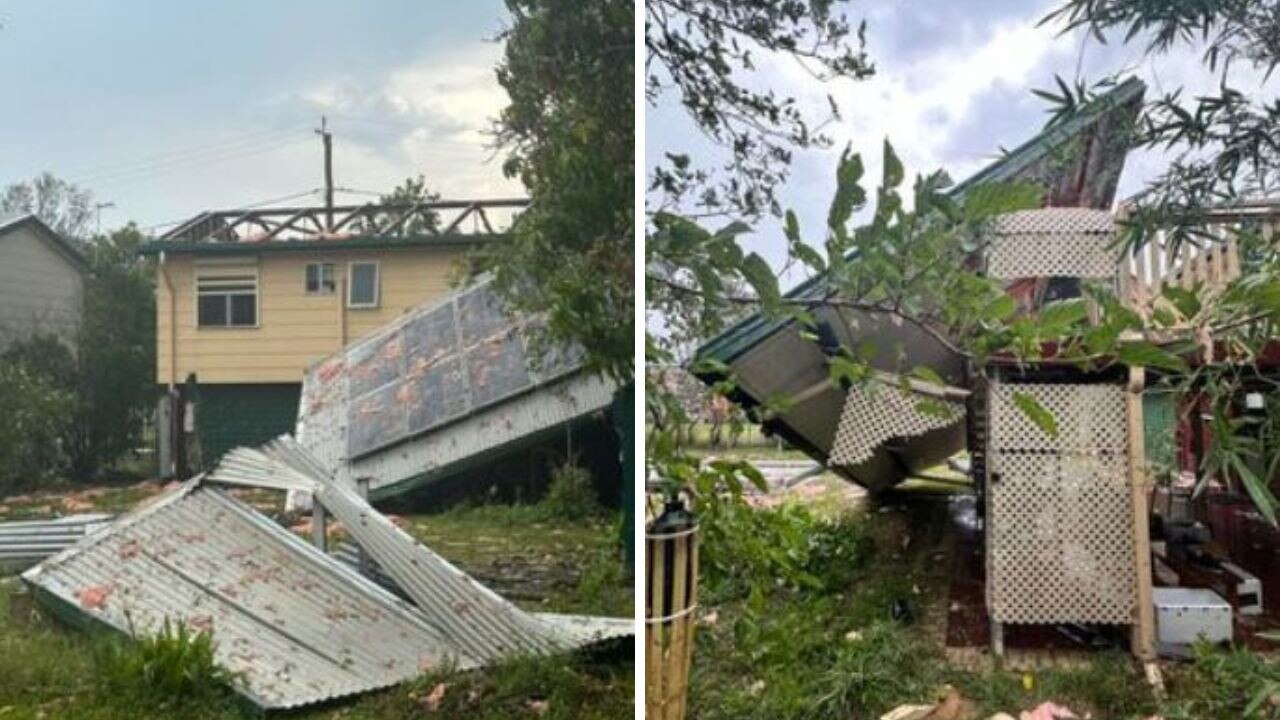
(229,416)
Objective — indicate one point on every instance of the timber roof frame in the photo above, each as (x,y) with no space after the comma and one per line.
(371,225)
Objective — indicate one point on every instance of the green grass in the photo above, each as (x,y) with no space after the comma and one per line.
(782,651)
(575,565)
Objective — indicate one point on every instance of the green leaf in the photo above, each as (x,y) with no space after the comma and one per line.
(1058,316)
(799,248)
(844,369)
(849,193)
(1037,413)
(892,167)
(927,374)
(757,272)
(1000,308)
(1147,355)
(1257,489)
(1184,300)
(791,227)
(989,199)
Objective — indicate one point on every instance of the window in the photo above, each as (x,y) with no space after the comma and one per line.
(362,285)
(320,279)
(227,301)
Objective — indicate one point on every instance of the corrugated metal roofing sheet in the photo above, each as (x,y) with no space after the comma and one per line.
(578,630)
(24,543)
(475,619)
(471,615)
(451,380)
(299,626)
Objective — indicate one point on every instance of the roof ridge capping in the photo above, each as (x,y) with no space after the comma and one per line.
(1121,100)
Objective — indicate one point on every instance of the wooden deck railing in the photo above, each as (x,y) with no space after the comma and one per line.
(1208,265)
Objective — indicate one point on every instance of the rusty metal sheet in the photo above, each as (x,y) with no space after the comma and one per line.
(452,378)
(300,627)
(475,619)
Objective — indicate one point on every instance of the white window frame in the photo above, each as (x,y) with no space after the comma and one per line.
(333,278)
(377,284)
(241,275)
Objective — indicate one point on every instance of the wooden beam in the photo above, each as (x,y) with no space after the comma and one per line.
(458,220)
(1143,636)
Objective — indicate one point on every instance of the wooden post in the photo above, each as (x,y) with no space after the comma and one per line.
(1143,636)
(671,557)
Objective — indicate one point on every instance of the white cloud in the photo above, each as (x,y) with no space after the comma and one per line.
(918,105)
(433,116)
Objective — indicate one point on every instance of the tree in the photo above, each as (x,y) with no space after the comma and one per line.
(1224,145)
(413,191)
(569,136)
(62,206)
(116,352)
(700,51)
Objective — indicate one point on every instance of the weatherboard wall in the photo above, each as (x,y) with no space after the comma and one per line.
(295,329)
(40,289)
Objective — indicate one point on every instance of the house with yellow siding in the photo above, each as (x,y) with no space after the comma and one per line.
(246,301)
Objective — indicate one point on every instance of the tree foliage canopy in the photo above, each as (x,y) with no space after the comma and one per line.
(62,206)
(569,135)
(413,191)
(704,52)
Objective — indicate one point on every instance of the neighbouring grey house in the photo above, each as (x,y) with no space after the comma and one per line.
(41,280)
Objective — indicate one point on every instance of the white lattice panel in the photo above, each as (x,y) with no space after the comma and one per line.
(1054,242)
(877,413)
(1090,418)
(1059,532)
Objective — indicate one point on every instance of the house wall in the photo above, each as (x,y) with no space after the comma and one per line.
(40,290)
(294,329)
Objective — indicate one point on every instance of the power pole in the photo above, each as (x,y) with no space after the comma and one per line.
(98,208)
(327,138)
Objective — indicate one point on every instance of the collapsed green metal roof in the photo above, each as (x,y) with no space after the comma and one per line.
(1088,181)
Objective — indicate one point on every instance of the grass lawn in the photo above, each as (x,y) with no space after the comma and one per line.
(47,671)
(770,649)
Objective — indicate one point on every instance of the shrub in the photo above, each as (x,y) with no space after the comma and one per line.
(744,547)
(571,495)
(173,669)
(38,413)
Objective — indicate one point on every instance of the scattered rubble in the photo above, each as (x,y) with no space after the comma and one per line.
(954,706)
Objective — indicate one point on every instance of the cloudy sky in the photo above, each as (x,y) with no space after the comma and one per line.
(952,86)
(170,108)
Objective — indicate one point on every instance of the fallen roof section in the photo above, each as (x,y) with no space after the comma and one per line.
(453,380)
(1077,161)
(475,619)
(1088,180)
(298,626)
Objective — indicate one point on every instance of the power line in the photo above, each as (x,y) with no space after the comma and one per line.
(166,157)
(250,206)
(192,164)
